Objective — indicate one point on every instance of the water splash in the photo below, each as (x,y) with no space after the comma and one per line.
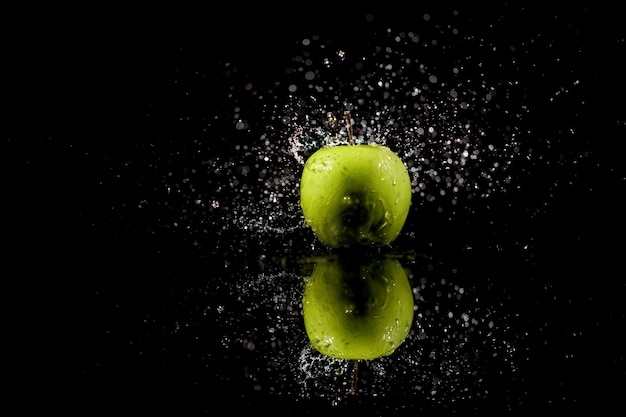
(458,104)
(459,119)
(463,343)
(455,118)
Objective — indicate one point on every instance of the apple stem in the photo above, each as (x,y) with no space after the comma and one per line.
(349,126)
(355,375)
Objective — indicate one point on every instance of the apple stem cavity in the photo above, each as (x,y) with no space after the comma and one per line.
(349,126)
(355,375)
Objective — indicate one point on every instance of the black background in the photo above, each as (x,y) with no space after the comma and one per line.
(78,84)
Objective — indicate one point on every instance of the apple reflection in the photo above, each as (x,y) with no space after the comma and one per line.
(355,309)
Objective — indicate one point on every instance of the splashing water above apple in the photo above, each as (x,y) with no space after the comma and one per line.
(456,136)
(455,141)
(457,129)
(454,115)
(457,123)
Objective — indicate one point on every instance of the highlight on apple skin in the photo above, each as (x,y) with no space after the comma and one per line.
(354,195)
(357,311)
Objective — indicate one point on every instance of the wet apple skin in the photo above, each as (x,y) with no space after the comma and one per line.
(355,195)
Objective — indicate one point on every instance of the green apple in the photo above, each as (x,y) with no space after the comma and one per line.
(355,310)
(355,195)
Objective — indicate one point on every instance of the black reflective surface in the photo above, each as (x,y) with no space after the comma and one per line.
(157,255)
